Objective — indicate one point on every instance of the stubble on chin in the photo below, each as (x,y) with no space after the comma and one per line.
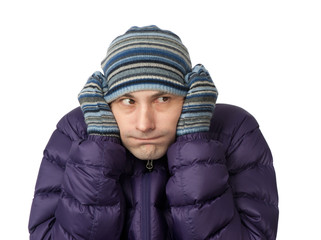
(148,152)
(152,151)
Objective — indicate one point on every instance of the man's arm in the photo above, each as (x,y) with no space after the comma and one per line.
(253,181)
(77,194)
(225,188)
(218,195)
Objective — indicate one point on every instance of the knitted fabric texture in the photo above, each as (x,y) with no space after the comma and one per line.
(146,58)
(98,116)
(199,103)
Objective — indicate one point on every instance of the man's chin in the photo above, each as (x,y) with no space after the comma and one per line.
(148,152)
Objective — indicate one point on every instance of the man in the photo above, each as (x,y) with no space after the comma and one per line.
(145,158)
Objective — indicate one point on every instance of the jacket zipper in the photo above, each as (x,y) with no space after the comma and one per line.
(146,232)
(149,165)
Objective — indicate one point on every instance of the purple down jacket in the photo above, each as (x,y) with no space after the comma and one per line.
(215,185)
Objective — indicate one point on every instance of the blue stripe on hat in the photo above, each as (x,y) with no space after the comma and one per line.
(145,45)
(147,52)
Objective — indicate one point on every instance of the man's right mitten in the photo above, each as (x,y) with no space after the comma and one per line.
(98,116)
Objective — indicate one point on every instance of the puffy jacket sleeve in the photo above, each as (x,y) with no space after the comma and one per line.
(223,189)
(78,195)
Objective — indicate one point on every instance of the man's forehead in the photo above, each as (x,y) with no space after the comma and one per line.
(145,93)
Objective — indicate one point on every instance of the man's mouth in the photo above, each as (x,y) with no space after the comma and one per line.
(146,139)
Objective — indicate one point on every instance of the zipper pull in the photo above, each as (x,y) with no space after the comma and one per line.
(149,165)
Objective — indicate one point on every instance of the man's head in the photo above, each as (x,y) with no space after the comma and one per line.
(146,58)
(145,87)
(147,121)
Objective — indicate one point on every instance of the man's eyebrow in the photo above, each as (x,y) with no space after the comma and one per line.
(128,95)
(157,94)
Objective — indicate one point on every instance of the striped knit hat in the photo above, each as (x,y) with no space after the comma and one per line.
(146,58)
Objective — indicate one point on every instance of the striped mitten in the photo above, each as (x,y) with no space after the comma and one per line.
(199,103)
(98,116)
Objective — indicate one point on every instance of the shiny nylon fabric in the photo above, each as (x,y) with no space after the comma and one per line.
(216,185)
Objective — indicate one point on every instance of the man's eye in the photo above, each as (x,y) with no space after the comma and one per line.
(163,99)
(127,101)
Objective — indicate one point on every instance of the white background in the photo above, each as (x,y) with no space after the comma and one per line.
(264,56)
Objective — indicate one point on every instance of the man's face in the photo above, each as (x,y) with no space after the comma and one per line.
(147,121)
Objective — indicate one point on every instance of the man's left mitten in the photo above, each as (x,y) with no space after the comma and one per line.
(199,103)
(98,116)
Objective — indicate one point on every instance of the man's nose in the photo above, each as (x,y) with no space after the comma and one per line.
(145,119)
